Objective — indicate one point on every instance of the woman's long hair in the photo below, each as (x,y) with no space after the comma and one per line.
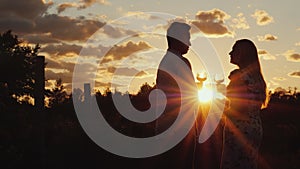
(250,63)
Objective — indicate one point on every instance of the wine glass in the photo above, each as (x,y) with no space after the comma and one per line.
(201,77)
(219,78)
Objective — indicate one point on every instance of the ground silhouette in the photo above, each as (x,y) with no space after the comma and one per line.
(64,144)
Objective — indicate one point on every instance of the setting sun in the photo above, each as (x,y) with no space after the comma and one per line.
(205,94)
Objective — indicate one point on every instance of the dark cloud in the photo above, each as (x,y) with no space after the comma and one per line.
(63,49)
(91,51)
(126,71)
(295,56)
(30,17)
(119,52)
(55,26)
(295,74)
(53,64)
(62,7)
(39,38)
(87,3)
(28,9)
(66,28)
(291,55)
(19,16)
(64,70)
(212,22)
(81,5)
(65,76)
(16,24)
(117,32)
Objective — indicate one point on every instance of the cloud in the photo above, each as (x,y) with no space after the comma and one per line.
(295,74)
(124,71)
(38,25)
(102,84)
(119,52)
(30,17)
(39,39)
(65,76)
(291,55)
(116,32)
(279,78)
(266,55)
(212,22)
(16,24)
(262,17)
(64,70)
(94,51)
(28,9)
(52,25)
(267,37)
(280,89)
(81,5)
(63,49)
(240,22)
(105,85)
(66,28)
(19,16)
(62,7)
(272,83)
(141,15)
(87,3)
(60,65)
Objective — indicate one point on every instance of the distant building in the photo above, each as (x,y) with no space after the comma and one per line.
(87,92)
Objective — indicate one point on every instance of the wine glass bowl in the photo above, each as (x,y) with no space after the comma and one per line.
(219,78)
(201,77)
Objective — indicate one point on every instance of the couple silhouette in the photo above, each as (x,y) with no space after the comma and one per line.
(246,93)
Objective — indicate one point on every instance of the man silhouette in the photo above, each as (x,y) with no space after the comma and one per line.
(176,80)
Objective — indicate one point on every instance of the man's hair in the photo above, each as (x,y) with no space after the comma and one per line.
(178,31)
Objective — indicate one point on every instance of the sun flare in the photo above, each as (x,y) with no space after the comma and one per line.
(205,94)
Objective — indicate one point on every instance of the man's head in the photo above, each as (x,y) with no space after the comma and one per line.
(178,36)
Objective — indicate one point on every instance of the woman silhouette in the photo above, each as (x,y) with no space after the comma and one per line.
(247,95)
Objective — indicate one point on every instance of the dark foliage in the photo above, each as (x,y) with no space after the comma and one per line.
(64,144)
(54,138)
(16,66)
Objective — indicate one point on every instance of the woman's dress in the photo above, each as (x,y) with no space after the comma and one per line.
(242,134)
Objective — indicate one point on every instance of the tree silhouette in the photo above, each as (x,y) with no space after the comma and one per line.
(145,90)
(57,95)
(16,66)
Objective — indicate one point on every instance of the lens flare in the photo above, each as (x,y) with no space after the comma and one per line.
(205,94)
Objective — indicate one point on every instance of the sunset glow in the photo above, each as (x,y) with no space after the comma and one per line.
(163,84)
(62,28)
(205,95)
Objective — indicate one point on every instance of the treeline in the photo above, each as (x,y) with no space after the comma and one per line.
(54,138)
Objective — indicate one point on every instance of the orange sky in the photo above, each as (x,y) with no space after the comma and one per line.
(135,39)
